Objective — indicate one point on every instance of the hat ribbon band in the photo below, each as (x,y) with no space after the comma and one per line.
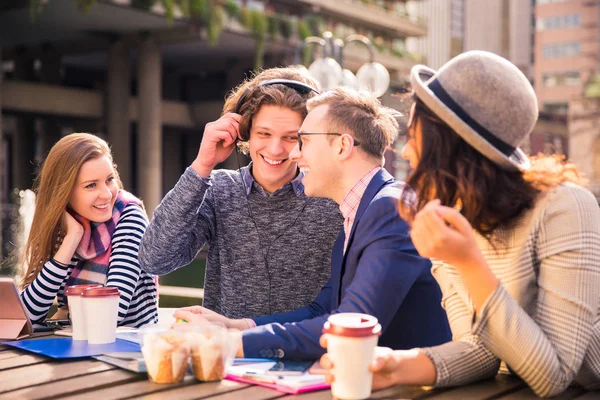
(445,98)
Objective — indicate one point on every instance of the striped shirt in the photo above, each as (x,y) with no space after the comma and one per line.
(351,201)
(543,321)
(138,303)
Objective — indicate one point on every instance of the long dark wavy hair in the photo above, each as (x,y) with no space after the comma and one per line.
(451,170)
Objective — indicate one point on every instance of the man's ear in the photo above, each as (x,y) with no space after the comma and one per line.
(346,144)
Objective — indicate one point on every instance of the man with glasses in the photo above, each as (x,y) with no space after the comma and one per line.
(375,268)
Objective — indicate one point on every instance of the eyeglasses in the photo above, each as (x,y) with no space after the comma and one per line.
(300,134)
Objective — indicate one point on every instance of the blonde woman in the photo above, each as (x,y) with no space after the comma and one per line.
(514,242)
(85,229)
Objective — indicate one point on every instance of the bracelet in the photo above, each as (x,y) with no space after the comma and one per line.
(58,262)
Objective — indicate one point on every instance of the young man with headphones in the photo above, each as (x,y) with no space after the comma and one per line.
(375,267)
(269,245)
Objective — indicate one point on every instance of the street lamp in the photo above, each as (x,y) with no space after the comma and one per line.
(329,72)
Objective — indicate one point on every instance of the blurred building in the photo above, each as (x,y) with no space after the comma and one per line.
(566,50)
(445,30)
(148,79)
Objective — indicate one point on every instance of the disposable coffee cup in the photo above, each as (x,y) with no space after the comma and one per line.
(76,313)
(101,308)
(351,342)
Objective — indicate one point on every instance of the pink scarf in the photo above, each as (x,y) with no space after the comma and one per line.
(95,246)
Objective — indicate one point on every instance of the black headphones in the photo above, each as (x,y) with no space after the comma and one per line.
(298,86)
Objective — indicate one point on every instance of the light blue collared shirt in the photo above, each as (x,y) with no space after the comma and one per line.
(250,183)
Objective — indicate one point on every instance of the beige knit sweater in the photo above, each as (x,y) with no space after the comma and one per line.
(543,321)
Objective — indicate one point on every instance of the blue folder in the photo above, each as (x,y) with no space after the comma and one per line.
(68,348)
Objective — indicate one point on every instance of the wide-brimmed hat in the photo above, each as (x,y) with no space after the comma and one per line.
(485,99)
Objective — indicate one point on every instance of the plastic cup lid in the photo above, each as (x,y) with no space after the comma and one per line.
(352,325)
(102,291)
(77,290)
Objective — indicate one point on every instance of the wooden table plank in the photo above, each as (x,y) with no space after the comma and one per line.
(22,360)
(128,390)
(491,388)
(595,395)
(527,393)
(253,392)
(18,378)
(9,354)
(198,390)
(75,385)
(402,392)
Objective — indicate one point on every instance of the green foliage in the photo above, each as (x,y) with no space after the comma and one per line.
(199,8)
(285,28)
(273,23)
(304,30)
(85,5)
(259,24)
(233,9)
(35,8)
(246,18)
(215,24)
(143,4)
(315,24)
(398,52)
(259,29)
(169,9)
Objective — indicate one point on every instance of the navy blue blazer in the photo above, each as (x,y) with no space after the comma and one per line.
(380,274)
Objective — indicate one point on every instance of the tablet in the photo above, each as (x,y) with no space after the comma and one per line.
(14,323)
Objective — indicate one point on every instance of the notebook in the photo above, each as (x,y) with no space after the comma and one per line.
(255,373)
(129,361)
(69,348)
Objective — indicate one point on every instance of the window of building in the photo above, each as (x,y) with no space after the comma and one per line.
(559,108)
(572,78)
(550,80)
(551,1)
(560,50)
(568,78)
(558,22)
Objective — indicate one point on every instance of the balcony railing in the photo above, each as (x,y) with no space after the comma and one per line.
(377,17)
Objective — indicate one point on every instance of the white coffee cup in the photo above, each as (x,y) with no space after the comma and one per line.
(101,308)
(76,313)
(351,341)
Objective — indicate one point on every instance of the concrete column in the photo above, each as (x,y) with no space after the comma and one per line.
(2,170)
(24,140)
(23,159)
(172,158)
(117,106)
(50,73)
(149,126)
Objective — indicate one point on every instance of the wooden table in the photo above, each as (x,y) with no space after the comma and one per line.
(25,375)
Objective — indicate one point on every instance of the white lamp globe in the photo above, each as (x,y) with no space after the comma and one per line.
(301,68)
(349,79)
(327,72)
(374,78)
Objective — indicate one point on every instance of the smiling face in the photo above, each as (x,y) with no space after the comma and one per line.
(95,190)
(318,159)
(273,135)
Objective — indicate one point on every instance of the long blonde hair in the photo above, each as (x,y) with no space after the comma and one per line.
(53,187)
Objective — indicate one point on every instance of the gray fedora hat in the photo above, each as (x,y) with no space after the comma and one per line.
(486,100)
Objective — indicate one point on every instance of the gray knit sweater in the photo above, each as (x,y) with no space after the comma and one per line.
(295,237)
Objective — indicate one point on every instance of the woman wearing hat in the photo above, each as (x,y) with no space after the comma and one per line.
(514,243)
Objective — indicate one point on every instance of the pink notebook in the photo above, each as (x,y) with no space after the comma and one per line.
(282,385)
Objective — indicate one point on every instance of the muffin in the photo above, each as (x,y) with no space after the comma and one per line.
(166,356)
